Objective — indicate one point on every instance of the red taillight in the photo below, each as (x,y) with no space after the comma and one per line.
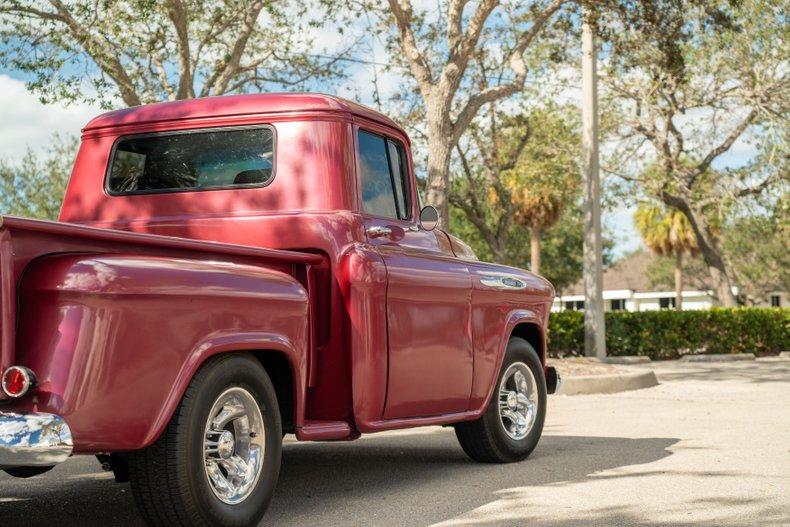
(17,381)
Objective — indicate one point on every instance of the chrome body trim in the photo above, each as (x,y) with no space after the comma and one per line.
(33,440)
(503,282)
(377,231)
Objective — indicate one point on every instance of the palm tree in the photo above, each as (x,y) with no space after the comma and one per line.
(536,210)
(667,232)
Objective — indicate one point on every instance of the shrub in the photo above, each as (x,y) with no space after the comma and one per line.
(671,334)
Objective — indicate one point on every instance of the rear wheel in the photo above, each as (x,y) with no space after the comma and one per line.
(511,426)
(218,461)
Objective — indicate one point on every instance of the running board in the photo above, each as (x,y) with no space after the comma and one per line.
(325,431)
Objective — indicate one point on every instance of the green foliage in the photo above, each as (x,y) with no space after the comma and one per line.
(560,245)
(34,187)
(756,247)
(144,51)
(519,172)
(672,334)
(665,230)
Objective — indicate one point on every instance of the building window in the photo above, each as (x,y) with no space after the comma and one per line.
(618,304)
(574,305)
(776,301)
(666,303)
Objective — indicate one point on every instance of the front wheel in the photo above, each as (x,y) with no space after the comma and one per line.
(217,463)
(510,428)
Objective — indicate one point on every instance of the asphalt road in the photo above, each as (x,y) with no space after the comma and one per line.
(709,446)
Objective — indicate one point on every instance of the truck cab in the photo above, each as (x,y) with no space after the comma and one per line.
(279,234)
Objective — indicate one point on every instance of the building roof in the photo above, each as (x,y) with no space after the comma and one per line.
(629,273)
(235,105)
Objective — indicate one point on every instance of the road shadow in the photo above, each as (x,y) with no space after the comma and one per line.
(377,481)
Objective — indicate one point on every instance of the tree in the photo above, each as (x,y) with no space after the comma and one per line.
(667,232)
(142,51)
(692,80)
(518,171)
(561,246)
(756,249)
(461,59)
(35,186)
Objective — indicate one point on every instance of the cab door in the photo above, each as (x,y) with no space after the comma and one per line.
(428,289)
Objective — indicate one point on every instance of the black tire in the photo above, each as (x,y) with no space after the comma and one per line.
(168,478)
(485,439)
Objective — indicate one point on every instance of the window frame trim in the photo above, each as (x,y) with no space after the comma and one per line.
(404,177)
(189,131)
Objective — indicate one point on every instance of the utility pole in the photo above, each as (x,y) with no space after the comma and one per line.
(594,324)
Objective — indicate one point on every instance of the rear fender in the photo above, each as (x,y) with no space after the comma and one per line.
(116,339)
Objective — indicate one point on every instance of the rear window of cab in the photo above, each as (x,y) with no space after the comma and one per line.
(192,160)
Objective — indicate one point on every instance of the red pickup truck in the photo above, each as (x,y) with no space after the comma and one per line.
(228,270)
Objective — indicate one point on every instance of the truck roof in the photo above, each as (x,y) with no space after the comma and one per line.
(235,105)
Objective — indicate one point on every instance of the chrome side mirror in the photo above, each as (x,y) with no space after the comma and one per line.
(429,218)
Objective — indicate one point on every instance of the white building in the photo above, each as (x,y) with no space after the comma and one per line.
(626,286)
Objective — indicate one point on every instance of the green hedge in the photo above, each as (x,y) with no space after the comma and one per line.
(671,334)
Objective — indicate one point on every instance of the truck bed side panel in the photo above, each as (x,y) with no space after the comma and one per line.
(115,339)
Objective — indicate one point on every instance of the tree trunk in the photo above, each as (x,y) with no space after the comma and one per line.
(440,148)
(534,250)
(713,260)
(706,241)
(679,281)
(718,274)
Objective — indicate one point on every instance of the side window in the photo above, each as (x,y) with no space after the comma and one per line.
(383,177)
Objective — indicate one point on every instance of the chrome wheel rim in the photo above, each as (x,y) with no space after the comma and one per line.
(234,445)
(518,401)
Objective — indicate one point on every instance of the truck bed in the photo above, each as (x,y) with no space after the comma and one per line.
(24,240)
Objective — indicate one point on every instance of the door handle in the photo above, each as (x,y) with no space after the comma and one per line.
(378,231)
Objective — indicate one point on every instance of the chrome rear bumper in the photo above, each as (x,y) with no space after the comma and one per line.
(33,440)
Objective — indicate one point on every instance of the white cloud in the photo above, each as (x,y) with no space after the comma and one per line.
(25,121)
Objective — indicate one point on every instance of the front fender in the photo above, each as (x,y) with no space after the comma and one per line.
(486,375)
(115,339)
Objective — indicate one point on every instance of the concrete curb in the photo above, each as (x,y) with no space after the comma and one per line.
(622,382)
(718,358)
(626,359)
(785,354)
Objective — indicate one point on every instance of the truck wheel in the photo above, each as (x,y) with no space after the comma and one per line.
(510,428)
(218,461)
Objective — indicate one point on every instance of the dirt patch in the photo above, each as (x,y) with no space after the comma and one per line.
(582,366)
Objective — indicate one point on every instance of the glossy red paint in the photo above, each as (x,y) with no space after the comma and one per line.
(381,332)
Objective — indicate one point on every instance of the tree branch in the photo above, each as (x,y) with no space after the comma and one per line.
(100,50)
(403,14)
(517,64)
(177,12)
(225,72)
(733,136)
(461,49)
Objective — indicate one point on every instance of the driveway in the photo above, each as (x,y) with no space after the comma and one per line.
(709,446)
